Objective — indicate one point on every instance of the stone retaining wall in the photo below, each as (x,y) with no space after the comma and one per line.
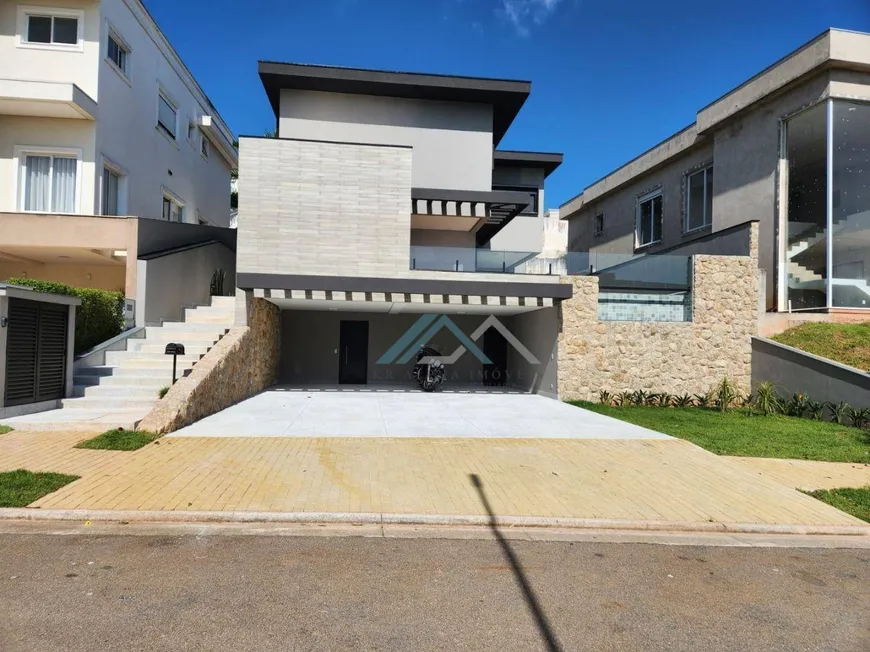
(677,358)
(243,363)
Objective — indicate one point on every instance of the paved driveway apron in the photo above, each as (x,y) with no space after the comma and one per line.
(373,413)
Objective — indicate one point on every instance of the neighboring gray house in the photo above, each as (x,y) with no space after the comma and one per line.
(789,148)
(385,197)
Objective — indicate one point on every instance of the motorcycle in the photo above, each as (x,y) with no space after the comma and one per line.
(428,375)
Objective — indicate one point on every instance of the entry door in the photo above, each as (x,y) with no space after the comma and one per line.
(495,348)
(353,353)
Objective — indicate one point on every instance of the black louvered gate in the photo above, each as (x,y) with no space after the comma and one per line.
(36,340)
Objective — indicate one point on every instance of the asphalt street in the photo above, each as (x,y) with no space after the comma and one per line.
(194,592)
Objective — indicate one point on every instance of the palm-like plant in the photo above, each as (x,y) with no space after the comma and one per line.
(839,411)
(859,417)
(605,397)
(624,398)
(725,394)
(797,405)
(638,397)
(683,401)
(816,410)
(765,399)
(666,400)
(703,400)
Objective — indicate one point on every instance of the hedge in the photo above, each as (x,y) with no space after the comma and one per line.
(99,318)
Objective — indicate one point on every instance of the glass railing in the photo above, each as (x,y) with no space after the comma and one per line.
(615,271)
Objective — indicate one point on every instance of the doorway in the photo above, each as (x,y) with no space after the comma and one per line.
(353,353)
(495,348)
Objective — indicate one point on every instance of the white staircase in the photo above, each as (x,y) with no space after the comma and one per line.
(121,392)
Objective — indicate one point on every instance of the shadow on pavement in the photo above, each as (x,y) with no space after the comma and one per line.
(547,632)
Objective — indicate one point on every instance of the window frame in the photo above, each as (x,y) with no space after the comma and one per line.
(19,158)
(162,94)
(112,34)
(168,195)
(687,198)
(23,31)
(641,200)
(121,173)
(595,230)
(204,145)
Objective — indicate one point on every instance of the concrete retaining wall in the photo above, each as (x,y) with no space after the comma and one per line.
(793,371)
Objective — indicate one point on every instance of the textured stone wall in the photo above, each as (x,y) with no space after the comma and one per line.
(243,363)
(333,209)
(676,358)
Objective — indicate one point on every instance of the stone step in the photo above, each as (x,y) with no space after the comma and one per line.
(116,391)
(108,403)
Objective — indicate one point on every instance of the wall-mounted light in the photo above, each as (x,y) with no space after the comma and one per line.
(4,321)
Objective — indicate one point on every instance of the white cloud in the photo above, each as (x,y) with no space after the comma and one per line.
(521,12)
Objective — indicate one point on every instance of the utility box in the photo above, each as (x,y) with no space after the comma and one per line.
(37,335)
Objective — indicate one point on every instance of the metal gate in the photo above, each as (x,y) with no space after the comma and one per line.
(36,344)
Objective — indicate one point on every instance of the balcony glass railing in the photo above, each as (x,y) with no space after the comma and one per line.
(615,271)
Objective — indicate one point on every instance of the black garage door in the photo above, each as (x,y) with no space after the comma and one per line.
(36,341)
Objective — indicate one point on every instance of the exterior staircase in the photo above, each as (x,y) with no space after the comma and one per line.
(121,392)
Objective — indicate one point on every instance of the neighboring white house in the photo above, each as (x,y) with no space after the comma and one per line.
(99,116)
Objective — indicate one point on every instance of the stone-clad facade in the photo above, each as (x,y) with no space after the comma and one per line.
(243,363)
(673,357)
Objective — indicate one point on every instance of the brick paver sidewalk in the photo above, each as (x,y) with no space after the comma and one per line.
(808,474)
(669,480)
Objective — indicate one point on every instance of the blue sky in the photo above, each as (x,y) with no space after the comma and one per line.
(610,78)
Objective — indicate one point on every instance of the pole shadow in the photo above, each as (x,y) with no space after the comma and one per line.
(537,611)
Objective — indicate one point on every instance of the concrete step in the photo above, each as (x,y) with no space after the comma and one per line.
(92,421)
(158,348)
(194,333)
(190,328)
(107,374)
(108,403)
(223,302)
(158,364)
(147,380)
(116,391)
(120,358)
(227,313)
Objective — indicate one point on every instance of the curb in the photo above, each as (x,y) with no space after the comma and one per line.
(323,518)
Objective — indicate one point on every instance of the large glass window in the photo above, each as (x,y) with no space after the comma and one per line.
(52,30)
(48,183)
(806,237)
(850,216)
(649,219)
(699,199)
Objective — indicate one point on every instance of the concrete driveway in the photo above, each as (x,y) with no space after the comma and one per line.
(373,412)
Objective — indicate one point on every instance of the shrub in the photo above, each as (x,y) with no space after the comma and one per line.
(652,399)
(638,397)
(815,410)
(683,401)
(839,411)
(703,400)
(725,395)
(859,417)
(666,400)
(624,398)
(605,397)
(99,318)
(765,399)
(797,405)
(162,391)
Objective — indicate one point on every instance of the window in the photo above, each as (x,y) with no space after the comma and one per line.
(699,199)
(649,219)
(599,224)
(173,210)
(191,132)
(49,182)
(118,54)
(204,145)
(51,30)
(111,192)
(532,207)
(167,115)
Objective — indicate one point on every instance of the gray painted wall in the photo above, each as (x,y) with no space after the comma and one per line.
(538,331)
(794,371)
(452,141)
(523,233)
(324,208)
(169,284)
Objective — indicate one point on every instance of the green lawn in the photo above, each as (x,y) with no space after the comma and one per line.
(5,429)
(739,432)
(844,343)
(852,501)
(119,440)
(20,488)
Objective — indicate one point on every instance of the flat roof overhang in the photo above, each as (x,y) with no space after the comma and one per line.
(506,96)
(547,161)
(45,100)
(404,285)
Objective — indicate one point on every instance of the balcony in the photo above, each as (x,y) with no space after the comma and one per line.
(45,100)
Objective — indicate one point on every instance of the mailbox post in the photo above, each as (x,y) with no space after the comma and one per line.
(174,349)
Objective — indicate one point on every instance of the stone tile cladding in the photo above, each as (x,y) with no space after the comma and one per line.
(673,357)
(243,363)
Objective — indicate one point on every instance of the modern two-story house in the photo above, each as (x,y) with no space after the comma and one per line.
(382,213)
(102,123)
(789,149)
